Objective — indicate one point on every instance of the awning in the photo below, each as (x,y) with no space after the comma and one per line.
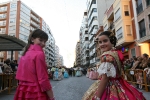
(11,43)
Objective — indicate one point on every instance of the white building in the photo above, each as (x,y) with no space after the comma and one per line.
(84,41)
(61,60)
(95,10)
(17,19)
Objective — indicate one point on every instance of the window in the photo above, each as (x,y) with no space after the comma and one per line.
(128,30)
(139,5)
(25,9)
(142,30)
(126,10)
(86,38)
(93,10)
(23,22)
(117,14)
(148,2)
(11,28)
(23,37)
(13,20)
(22,29)
(133,52)
(119,33)
(2,15)
(93,2)
(13,5)
(25,16)
(3,8)
(12,13)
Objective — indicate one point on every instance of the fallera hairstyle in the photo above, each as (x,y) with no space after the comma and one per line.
(38,33)
(111,36)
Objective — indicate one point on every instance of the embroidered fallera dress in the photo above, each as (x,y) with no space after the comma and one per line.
(117,88)
(32,75)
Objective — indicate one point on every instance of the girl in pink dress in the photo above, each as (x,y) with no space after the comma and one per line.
(32,70)
(111,86)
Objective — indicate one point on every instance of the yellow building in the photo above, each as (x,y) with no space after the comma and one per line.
(119,19)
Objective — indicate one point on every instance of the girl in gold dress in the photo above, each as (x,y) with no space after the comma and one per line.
(111,86)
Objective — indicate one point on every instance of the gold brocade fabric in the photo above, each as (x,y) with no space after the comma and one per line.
(91,91)
(89,94)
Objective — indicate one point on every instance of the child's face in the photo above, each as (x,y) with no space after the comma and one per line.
(104,43)
(39,41)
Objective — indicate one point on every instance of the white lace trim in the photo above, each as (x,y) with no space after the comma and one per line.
(108,69)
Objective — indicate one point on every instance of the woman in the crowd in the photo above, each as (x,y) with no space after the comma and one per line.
(78,72)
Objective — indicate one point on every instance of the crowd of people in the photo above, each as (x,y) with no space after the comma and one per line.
(58,73)
(8,66)
(138,64)
(92,73)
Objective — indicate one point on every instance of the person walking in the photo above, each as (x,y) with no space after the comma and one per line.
(32,71)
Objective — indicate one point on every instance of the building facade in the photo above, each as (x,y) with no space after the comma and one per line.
(129,20)
(18,20)
(57,56)
(142,24)
(84,41)
(61,60)
(78,58)
(95,10)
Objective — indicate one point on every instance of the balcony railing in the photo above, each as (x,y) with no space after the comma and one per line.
(142,32)
(148,2)
(139,8)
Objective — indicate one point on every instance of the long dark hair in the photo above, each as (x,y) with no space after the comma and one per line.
(111,37)
(38,33)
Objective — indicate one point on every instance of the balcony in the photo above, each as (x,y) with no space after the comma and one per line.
(142,32)
(3,9)
(2,32)
(91,44)
(35,25)
(35,18)
(139,9)
(3,24)
(148,2)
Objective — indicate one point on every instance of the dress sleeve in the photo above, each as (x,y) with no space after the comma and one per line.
(42,74)
(108,69)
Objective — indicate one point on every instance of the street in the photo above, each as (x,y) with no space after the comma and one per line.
(67,89)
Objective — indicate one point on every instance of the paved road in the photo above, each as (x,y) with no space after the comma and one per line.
(68,89)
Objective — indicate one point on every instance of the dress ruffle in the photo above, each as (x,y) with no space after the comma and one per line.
(29,91)
(108,69)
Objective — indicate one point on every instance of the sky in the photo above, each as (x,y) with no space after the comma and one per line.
(64,18)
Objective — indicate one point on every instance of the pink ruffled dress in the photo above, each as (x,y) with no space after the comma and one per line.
(32,75)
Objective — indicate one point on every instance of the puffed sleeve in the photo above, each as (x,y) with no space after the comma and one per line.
(42,74)
(107,67)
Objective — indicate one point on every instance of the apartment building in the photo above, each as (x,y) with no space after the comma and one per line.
(61,60)
(17,19)
(84,41)
(119,18)
(96,10)
(78,58)
(57,56)
(142,23)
